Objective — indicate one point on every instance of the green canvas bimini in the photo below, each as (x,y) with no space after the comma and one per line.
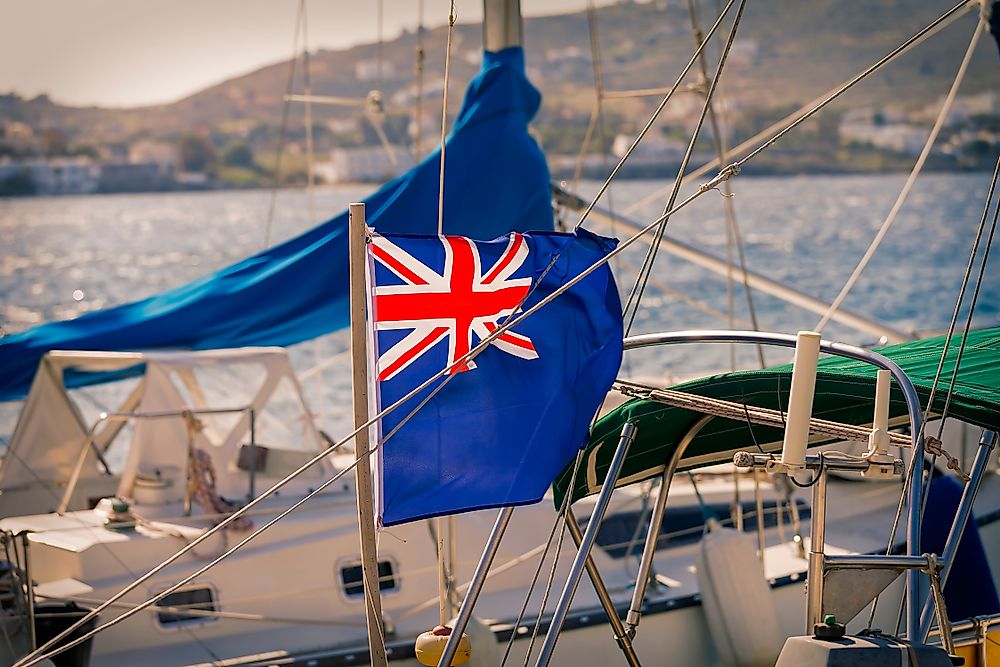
(845,391)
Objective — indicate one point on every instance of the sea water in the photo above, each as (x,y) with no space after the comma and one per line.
(61,257)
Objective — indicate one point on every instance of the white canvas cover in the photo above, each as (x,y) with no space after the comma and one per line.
(51,432)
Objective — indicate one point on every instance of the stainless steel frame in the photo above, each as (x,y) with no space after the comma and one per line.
(622,635)
(914,496)
(655,524)
(589,538)
(986,444)
(476,587)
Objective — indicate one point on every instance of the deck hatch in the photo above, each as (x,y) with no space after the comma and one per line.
(195,599)
(351,577)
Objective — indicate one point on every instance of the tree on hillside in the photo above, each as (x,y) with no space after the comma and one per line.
(54,142)
(197,154)
(238,155)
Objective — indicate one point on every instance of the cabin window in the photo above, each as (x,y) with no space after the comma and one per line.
(202,599)
(681,525)
(350,576)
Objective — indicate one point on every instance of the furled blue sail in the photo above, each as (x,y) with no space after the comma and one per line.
(496,181)
(994,21)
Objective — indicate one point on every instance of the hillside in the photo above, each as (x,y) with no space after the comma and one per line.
(786,53)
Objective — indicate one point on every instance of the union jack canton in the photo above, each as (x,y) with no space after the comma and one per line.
(456,303)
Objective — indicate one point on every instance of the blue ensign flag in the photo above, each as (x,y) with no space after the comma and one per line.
(505,424)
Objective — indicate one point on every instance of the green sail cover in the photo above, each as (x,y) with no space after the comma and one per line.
(845,390)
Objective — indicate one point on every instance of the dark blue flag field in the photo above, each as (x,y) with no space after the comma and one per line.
(505,424)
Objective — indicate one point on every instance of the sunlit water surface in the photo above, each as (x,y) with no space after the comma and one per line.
(62,257)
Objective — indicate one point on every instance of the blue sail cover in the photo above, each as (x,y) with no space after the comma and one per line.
(496,181)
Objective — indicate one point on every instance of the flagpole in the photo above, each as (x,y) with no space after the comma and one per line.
(359,380)
(444,606)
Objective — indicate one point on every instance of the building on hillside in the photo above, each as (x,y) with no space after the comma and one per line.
(373,70)
(366,164)
(653,147)
(57,176)
(898,137)
(166,156)
(135,177)
(17,136)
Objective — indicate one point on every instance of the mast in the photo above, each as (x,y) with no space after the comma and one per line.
(359,382)
(502,25)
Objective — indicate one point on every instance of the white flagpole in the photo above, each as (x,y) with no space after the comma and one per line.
(359,367)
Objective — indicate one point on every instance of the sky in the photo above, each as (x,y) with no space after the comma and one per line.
(139,52)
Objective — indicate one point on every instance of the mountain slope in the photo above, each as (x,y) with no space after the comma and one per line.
(786,53)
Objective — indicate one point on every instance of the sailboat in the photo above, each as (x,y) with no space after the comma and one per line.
(212,617)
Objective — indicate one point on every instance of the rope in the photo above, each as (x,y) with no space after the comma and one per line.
(635,296)
(510,564)
(595,111)
(744,412)
(201,487)
(905,192)
(444,116)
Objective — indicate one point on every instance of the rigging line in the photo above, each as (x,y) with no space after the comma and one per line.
(908,479)
(444,117)
(378,45)
(585,147)
(38,654)
(192,610)
(653,117)
(500,569)
(940,24)
(91,528)
(968,322)
(685,299)
(597,122)
(595,111)
(905,192)
(559,521)
(972,308)
(418,150)
(958,303)
(511,321)
(283,132)
(730,208)
(642,522)
(432,602)
(850,84)
(733,236)
(635,296)
(307,85)
(726,189)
